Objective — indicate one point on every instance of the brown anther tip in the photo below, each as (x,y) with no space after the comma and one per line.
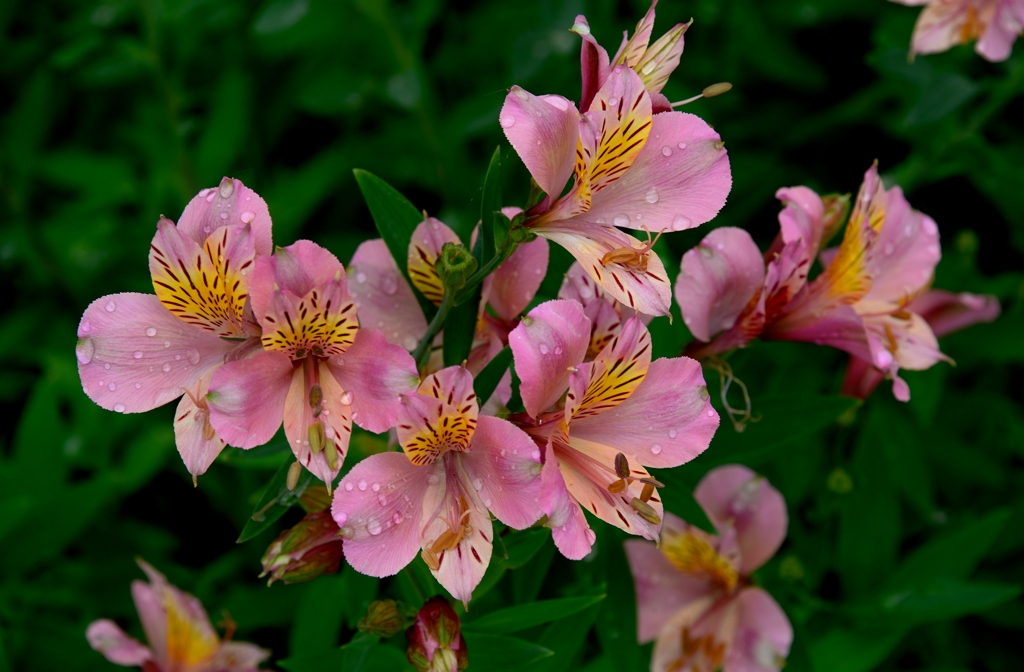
(645,510)
(652,481)
(621,466)
(617,486)
(716,89)
(645,494)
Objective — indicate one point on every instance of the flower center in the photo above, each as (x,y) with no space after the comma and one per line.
(694,554)
(700,653)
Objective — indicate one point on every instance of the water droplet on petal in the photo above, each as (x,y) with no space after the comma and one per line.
(227,187)
(889,248)
(558,349)
(85,350)
(390,284)
(375,487)
(193,356)
(119,408)
(247,216)
(682,145)
(137,354)
(656,449)
(409,342)
(361,277)
(348,486)
(666,150)
(591,536)
(711,414)
(543,349)
(150,331)
(112,387)
(613,101)
(373,526)
(672,433)
(138,386)
(86,327)
(507,121)
(223,215)
(649,67)
(111,306)
(680,222)
(361,484)
(107,366)
(652,195)
(535,455)
(382,500)
(478,483)
(346,398)
(210,196)
(166,367)
(167,344)
(397,518)
(432,479)
(621,220)
(341,519)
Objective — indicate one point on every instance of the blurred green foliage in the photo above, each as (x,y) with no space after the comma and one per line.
(906,533)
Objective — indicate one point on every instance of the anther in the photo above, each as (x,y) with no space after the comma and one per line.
(708,92)
(317,436)
(294,472)
(331,453)
(645,510)
(316,396)
(621,466)
(645,494)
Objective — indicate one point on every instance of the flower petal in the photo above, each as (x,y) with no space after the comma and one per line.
(116,646)
(514,284)
(659,61)
(905,254)
(666,422)
(429,427)
(335,417)
(247,398)
(238,657)
(569,528)
(704,615)
(553,337)
(614,374)
(605,313)
(424,248)
(947,312)
(594,62)
(204,285)
(717,280)
(383,297)
(997,39)
(544,131)
(621,118)
(374,373)
(379,506)
(623,266)
(133,355)
(763,634)
(504,467)
(197,442)
(679,180)
(190,639)
(299,268)
(231,202)
(734,496)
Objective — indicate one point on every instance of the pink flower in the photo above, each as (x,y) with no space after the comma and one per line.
(995,24)
(139,351)
(601,422)
(631,168)
(945,312)
(435,639)
(434,499)
(386,301)
(180,636)
(693,593)
(860,301)
(653,63)
(606,315)
(318,371)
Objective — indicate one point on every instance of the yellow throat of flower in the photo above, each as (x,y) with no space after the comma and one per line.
(693,554)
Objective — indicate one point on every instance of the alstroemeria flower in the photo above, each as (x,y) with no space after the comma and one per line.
(434,498)
(693,593)
(652,62)
(631,168)
(945,312)
(318,371)
(386,302)
(860,301)
(942,24)
(139,351)
(606,315)
(180,636)
(601,422)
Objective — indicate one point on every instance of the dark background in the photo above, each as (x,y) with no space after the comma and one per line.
(907,521)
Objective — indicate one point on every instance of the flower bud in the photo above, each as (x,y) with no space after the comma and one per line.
(435,640)
(315,497)
(454,266)
(384,618)
(304,552)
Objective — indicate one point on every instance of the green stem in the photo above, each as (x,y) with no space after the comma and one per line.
(422,350)
(504,253)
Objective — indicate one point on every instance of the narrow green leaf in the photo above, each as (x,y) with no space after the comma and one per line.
(945,599)
(520,617)
(396,219)
(487,380)
(844,650)
(490,203)
(523,545)
(566,638)
(678,498)
(460,329)
(276,500)
(497,653)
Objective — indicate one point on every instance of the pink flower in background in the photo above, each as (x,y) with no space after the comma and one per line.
(434,499)
(181,638)
(693,593)
(386,301)
(859,303)
(994,24)
(653,63)
(945,312)
(600,423)
(139,351)
(318,371)
(631,168)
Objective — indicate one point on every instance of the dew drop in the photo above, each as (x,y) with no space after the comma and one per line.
(112,387)
(613,101)
(247,216)
(150,331)
(137,354)
(889,249)
(223,215)
(361,277)
(193,356)
(535,455)
(652,195)
(86,327)
(649,67)
(166,367)
(177,358)
(167,344)
(107,366)
(591,536)
(711,414)
(111,306)
(656,449)
(382,500)
(672,433)
(543,349)
(85,350)
(210,196)
(621,220)
(346,399)
(478,483)
(432,479)
(390,285)
(341,519)
(361,485)
(558,349)
(119,408)
(680,222)
(666,150)
(375,487)
(409,343)
(373,526)
(227,187)
(138,386)
(397,518)
(507,121)
(348,486)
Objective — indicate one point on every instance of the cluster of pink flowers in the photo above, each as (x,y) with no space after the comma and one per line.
(253,339)
(992,24)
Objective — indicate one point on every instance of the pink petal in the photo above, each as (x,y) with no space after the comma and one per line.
(247,398)
(193,433)
(238,657)
(905,254)
(946,312)
(861,378)
(735,496)
(298,269)
(605,313)
(646,291)
(802,218)
(620,118)
(666,422)
(705,617)
(614,374)
(569,528)
(149,603)
(632,50)
(374,373)
(594,62)
(162,606)
(763,634)
(514,284)
(660,61)
(383,297)
(336,418)
(117,647)
(133,355)
(205,213)
(907,340)
(505,463)
(680,179)
(429,427)
(717,280)
(428,239)
(840,328)
(544,131)
(997,40)
(379,506)
(454,386)
(552,338)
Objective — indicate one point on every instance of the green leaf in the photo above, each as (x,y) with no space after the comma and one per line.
(520,617)
(566,638)
(680,499)
(276,500)
(946,599)
(521,546)
(490,203)
(496,653)
(318,619)
(396,219)
(460,329)
(487,380)
(845,650)
(267,456)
